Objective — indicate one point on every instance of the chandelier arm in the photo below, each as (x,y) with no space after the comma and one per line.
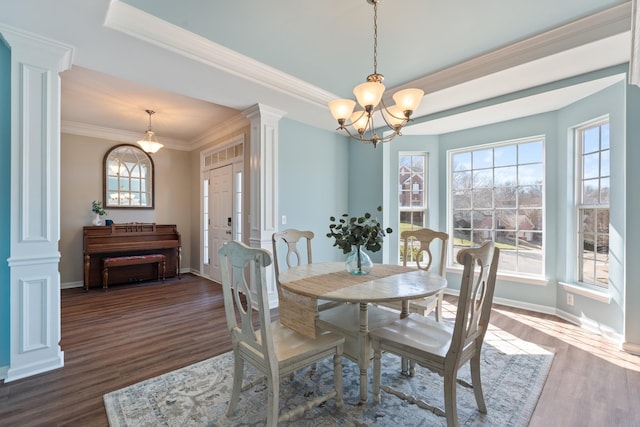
(396,129)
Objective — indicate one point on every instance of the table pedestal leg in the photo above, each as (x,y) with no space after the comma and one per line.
(363,360)
(404,364)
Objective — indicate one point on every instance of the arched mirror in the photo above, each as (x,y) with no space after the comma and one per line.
(128,178)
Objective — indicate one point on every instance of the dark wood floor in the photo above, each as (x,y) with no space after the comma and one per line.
(132,333)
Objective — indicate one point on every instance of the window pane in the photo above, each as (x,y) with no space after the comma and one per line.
(604,191)
(590,191)
(530,195)
(591,166)
(462,219)
(591,142)
(483,198)
(505,156)
(506,219)
(530,174)
(530,152)
(462,199)
(604,163)
(482,159)
(483,178)
(461,162)
(482,220)
(505,176)
(462,180)
(505,197)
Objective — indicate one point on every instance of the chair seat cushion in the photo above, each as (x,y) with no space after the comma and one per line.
(290,345)
(417,332)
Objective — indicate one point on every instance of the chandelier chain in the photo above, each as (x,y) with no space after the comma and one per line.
(375,37)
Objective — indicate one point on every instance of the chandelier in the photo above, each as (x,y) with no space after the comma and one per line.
(148,141)
(369,96)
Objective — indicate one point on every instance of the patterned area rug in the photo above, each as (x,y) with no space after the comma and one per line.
(513,374)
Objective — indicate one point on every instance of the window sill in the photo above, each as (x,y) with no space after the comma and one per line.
(528,280)
(600,296)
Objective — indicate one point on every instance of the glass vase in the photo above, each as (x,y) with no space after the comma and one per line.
(358,262)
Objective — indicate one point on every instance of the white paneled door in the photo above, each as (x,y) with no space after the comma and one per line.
(221,214)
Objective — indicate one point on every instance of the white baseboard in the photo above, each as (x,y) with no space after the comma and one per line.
(3,372)
(80,284)
(631,348)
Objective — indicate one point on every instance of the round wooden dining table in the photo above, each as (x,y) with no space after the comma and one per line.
(330,281)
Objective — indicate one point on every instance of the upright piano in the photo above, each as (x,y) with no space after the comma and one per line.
(129,239)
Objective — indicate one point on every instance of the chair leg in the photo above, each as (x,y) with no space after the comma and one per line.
(450,406)
(377,353)
(438,313)
(238,372)
(273,401)
(477,383)
(337,379)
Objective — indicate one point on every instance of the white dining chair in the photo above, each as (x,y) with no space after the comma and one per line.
(419,245)
(286,242)
(440,347)
(275,350)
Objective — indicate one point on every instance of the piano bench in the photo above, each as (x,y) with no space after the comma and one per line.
(122,261)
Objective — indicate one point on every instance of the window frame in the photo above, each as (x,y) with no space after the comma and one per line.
(424,209)
(528,277)
(579,205)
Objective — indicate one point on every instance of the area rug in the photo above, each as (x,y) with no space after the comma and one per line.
(513,375)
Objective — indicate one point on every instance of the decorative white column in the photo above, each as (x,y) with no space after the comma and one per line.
(263,176)
(35,202)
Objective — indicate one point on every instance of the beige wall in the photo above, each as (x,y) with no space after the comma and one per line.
(81,179)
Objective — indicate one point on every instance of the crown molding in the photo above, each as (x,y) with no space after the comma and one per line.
(229,126)
(16,37)
(143,26)
(610,22)
(81,129)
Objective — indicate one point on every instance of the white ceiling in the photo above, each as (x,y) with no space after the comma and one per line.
(200,64)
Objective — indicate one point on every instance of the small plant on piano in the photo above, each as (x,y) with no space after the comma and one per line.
(96,207)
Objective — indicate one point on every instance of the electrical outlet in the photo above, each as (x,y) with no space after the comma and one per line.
(284,219)
(570,299)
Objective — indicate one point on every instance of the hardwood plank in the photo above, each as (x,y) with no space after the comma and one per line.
(133,332)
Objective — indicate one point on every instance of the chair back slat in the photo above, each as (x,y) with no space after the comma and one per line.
(293,258)
(241,265)
(426,238)
(476,293)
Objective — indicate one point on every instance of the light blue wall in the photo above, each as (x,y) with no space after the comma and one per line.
(312,182)
(365,183)
(632,193)
(610,101)
(5,198)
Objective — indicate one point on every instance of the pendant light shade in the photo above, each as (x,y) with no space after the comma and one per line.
(148,141)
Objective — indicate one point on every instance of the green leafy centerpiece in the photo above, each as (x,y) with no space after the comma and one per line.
(353,234)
